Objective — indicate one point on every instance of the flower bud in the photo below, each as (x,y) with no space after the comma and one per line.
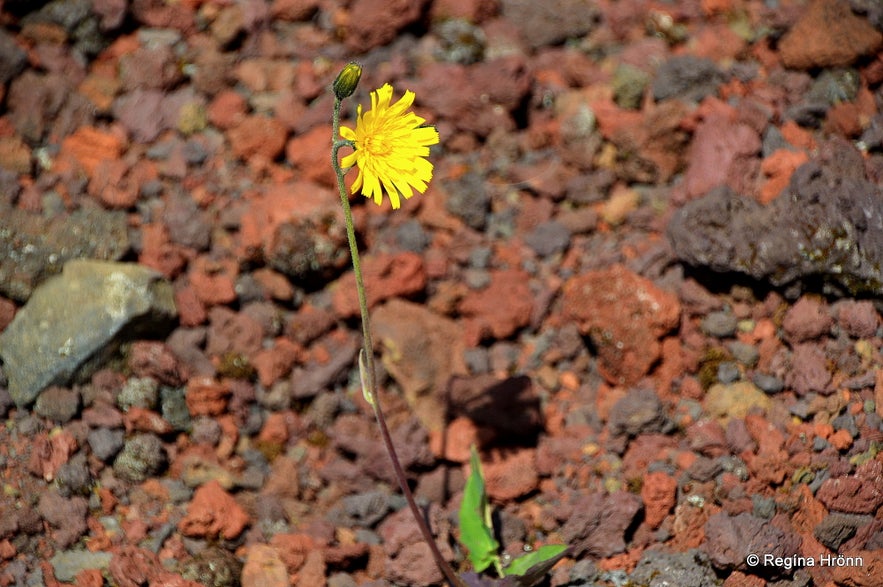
(347,80)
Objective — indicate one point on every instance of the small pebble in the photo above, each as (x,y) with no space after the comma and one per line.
(58,403)
(845,422)
(548,238)
(411,236)
(480,257)
(477,360)
(476,278)
(728,372)
(764,507)
(205,431)
(720,324)
(140,392)
(768,383)
(800,408)
(747,354)
(142,456)
(174,407)
(73,477)
(105,443)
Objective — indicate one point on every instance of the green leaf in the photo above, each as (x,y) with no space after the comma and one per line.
(524,564)
(476,529)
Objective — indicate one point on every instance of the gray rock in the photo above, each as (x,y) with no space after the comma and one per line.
(58,403)
(74,477)
(173,406)
(768,383)
(638,412)
(629,84)
(728,372)
(721,324)
(362,509)
(551,22)
(412,237)
(548,238)
(827,223)
(143,455)
(213,566)
(686,77)
(838,527)
(685,569)
(730,539)
(33,248)
(460,41)
(308,381)
(745,353)
(598,524)
(468,199)
(141,392)
(74,321)
(105,443)
(67,564)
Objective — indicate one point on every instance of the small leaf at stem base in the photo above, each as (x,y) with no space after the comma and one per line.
(367,392)
(476,532)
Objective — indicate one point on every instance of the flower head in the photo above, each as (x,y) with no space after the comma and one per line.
(391,146)
(347,80)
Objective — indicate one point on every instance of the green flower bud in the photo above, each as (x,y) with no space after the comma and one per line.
(347,80)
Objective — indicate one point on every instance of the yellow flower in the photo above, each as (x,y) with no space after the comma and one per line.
(391,148)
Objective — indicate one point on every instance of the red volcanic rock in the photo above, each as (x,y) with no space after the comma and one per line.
(724,152)
(294,548)
(373,23)
(263,567)
(857,317)
(206,397)
(90,146)
(294,10)
(258,136)
(275,362)
(150,358)
(597,523)
(158,252)
(828,35)
(858,494)
(807,319)
(213,513)
(233,332)
(625,315)
(498,310)
(227,110)
(386,276)
(777,170)
(191,311)
(142,420)
(213,281)
(308,153)
(659,494)
(512,475)
(48,454)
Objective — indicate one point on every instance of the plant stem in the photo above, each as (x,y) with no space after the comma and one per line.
(369,380)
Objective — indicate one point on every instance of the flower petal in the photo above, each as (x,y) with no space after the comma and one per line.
(391,147)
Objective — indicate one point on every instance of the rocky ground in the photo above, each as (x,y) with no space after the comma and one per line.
(644,280)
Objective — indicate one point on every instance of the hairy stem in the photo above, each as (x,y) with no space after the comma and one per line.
(369,379)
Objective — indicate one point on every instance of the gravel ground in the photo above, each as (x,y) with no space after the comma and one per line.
(645,280)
